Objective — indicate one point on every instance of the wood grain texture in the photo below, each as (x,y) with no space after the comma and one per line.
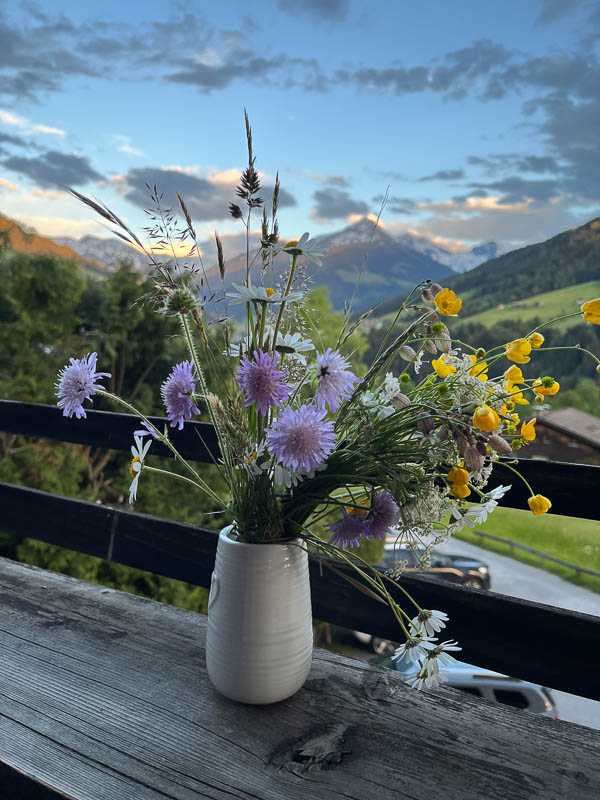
(104,696)
(513,636)
(570,486)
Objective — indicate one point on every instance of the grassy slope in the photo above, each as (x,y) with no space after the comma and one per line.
(543,306)
(571,539)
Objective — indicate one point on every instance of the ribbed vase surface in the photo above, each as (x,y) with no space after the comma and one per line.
(259,638)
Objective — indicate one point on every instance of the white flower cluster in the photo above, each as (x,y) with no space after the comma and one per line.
(477,514)
(422,649)
(381,401)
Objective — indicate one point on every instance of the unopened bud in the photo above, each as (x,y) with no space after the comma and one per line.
(473,459)
(598,369)
(400,400)
(481,447)
(427,295)
(425,424)
(444,342)
(479,353)
(407,353)
(435,288)
(461,443)
(500,445)
(430,347)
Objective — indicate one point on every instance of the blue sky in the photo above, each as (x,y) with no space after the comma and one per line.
(479,119)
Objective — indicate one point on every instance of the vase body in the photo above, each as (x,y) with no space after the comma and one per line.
(259,638)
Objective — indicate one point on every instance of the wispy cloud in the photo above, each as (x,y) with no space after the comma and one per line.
(28,127)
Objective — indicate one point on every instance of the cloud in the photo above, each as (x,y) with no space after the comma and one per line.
(551,10)
(331,10)
(395,204)
(124,145)
(444,175)
(515,189)
(206,199)
(336,204)
(5,184)
(60,226)
(54,169)
(14,120)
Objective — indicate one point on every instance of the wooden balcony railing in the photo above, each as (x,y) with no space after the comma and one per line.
(532,641)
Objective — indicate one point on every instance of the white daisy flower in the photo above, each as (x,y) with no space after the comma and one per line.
(260,294)
(303,247)
(293,345)
(428,622)
(498,492)
(423,680)
(415,648)
(138,451)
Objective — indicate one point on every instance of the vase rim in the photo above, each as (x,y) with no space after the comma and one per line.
(227,535)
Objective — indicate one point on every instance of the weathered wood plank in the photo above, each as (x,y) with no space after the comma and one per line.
(513,636)
(568,485)
(104,696)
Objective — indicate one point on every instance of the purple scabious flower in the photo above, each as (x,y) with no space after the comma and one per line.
(334,380)
(383,514)
(76,383)
(176,393)
(348,530)
(301,439)
(261,381)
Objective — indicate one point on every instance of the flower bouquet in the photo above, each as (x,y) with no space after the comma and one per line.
(317,459)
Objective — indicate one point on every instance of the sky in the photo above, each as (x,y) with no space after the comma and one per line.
(475,121)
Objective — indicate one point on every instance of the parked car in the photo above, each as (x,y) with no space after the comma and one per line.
(488,684)
(454,568)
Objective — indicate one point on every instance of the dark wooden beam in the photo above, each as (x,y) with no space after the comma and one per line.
(197,441)
(571,487)
(527,640)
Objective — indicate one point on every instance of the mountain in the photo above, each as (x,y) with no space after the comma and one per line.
(105,251)
(22,241)
(458,262)
(385,266)
(564,260)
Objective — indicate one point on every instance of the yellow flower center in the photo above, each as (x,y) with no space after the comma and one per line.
(291,243)
(270,292)
(133,461)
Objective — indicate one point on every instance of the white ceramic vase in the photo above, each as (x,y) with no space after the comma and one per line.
(259,640)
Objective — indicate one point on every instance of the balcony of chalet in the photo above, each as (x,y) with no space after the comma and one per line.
(104,695)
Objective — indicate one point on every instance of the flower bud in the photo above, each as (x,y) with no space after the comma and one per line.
(407,353)
(444,342)
(461,443)
(430,347)
(473,459)
(425,424)
(427,295)
(598,369)
(479,353)
(435,288)
(500,445)
(439,327)
(481,447)
(404,378)
(400,400)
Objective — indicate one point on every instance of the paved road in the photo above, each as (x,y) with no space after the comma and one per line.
(520,580)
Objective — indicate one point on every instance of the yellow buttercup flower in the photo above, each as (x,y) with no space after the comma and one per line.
(479,369)
(536,339)
(458,490)
(528,430)
(514,374)
(518,351)
(540,389)
(516,396)
(591,311)
(442,369)
(447,303)
(539,504)
(458,475)
(486,418)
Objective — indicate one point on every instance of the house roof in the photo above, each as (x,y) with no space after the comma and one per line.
(575,423)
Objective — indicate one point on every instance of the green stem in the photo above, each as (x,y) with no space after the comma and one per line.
(512,469)
(173,475)
(165,440)
(283,302)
